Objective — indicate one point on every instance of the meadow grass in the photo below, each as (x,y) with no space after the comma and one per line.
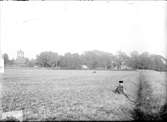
(68,94)
(83,95)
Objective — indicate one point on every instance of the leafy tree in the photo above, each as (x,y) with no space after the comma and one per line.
(90,59)
(96,59)
(144,61)
(6,59)
(70,61)
(134,60)
(121,59)
(47,59)
(158,62)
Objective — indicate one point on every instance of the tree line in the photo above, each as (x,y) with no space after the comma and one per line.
(95,60)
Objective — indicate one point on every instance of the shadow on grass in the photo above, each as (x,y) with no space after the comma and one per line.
(163,112)
(146,103)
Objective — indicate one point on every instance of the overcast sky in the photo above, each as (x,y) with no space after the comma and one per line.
(80,26)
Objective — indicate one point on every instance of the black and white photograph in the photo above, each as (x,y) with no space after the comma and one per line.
(83,60)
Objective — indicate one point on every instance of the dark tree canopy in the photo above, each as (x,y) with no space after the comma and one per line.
(97,60)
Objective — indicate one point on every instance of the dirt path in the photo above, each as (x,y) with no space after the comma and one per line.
(151,95)
(0,96)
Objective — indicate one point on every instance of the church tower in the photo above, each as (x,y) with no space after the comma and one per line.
(20,60)
(20,54)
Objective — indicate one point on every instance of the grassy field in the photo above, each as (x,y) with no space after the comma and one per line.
(71,94)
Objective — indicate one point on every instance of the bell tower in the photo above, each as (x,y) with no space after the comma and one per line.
(20,60)
(20,54)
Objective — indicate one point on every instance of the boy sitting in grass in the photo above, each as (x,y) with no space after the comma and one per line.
(119,88)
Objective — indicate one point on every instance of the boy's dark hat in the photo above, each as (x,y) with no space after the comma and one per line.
(121,81)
